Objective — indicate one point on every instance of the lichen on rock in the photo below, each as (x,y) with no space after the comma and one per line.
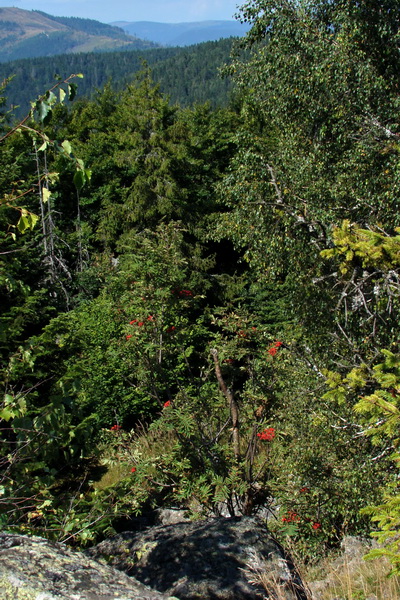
(32,568)
(202,559)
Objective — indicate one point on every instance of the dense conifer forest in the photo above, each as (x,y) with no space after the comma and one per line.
(199,304)
(187,75)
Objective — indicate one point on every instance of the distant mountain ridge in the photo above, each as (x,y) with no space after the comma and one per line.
(28,34)
(183,34)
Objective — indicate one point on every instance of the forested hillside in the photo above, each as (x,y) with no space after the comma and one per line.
(200,306)
(34,33)
(187,75)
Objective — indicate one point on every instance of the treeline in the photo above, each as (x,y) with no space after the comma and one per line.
(188,75)
(88,26)
(58,42)
(200,306)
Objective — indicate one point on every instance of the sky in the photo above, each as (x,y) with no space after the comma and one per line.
(108,11)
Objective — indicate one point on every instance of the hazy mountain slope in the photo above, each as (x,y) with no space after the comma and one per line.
(27,34)
(183,34)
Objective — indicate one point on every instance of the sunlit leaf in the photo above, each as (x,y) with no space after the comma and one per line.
(43,147)
(51,98)
(23,224)
(46,193)
(67,147)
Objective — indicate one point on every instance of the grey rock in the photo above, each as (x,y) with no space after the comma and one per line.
(318,588)
(215,559)
(352,550)
(32,568)
(354,547)
(170,516)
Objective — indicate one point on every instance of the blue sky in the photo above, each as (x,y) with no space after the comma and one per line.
(107,11)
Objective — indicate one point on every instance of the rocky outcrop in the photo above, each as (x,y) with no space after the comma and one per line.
(32,568)
(218,559)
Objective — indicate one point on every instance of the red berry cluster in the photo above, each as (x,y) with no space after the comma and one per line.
(183,293)
(274,349)
(138,323)
(291,517)
(268,434)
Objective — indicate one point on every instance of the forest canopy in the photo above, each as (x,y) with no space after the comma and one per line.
(187,75)
(199,306)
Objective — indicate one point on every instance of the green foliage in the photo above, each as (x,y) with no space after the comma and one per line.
(386,517)
(188,456)
(149,162)
(41,109)
(316,92)
(319,144)
(375,394)
(381,412)
(374,248)
(373,387)
(37,438)
(187,75)
(212,318)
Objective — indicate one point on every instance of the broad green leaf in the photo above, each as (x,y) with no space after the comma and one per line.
(79,180)
(43,110)
(27,221)
(43,147)
(62,95)
(34,219)
(46,193)
(23,224)
(6,414)
(67,147)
